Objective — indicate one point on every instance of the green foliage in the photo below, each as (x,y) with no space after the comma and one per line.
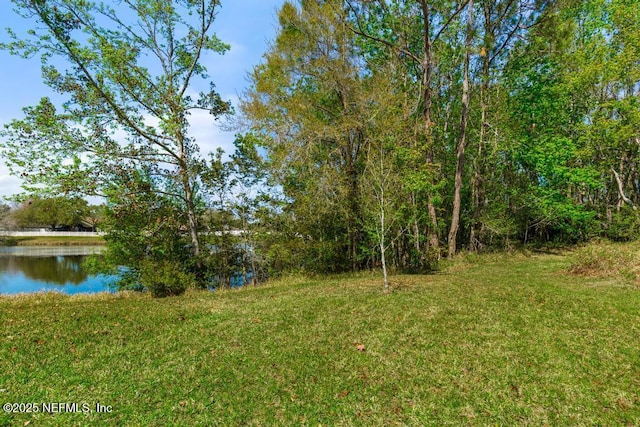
(239,196)
(126,71)
(359,150)
(307,109)
(569,112)
(53,212)
(143,229)
(165,278)
(285,255)
(624,225)
(8,241)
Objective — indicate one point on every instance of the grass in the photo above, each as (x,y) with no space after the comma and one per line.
(493,340)
(57,241)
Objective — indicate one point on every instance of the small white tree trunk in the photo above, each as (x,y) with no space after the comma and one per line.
(385,280)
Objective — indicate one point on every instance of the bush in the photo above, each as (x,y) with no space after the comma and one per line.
(165,279)
(625,225)
(8,241)
(605,259)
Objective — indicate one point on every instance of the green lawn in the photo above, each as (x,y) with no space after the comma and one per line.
(500,340)
(59,241)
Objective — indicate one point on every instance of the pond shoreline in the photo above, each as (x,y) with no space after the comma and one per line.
(32,269)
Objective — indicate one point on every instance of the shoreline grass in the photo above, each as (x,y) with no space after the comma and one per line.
(497,340)
(54,241)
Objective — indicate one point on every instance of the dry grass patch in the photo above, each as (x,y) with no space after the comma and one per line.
(608,260)
(58,241)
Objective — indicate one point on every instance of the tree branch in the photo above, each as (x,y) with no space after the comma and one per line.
(359,31)
(621,190)
(446,24)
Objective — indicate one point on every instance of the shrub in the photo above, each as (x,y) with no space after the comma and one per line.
(625,225)
(8,241)
(165,278)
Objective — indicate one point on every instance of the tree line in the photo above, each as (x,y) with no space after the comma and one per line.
(423,127)
(374,134)
(54,213)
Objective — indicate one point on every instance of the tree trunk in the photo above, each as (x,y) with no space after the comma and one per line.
(192,219)
(479,163)
(455,218)
(385,281)
(427,70)
(192,216)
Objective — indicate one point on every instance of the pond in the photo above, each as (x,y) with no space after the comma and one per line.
(27,269)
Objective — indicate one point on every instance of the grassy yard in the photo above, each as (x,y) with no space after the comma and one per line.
(493,340)
(57,241)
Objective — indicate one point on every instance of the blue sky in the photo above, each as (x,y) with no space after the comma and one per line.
(247,25)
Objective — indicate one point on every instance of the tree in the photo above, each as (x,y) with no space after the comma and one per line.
(462,141)
(573,111)
(54,212)
(220,185)
(250,182)
(95,216)
(237,190)
(128,72)
(7,221)
(412,30)
(383,184)
(307,104)
(147,235)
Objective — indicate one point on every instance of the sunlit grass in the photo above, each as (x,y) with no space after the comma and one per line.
(55,241)
(493,340)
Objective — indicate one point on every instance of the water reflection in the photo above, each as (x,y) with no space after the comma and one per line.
(60,269)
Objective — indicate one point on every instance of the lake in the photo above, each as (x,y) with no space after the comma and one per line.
(27,269)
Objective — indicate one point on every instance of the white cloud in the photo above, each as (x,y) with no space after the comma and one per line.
(208,133)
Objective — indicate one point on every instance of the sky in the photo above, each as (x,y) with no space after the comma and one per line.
(247,25)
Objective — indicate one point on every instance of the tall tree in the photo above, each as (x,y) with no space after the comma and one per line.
(412,30)
(128,71)
(462,141)
(306,103)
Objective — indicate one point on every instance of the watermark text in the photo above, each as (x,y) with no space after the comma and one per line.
(55,407)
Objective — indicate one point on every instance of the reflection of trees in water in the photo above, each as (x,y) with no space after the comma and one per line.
(59,270)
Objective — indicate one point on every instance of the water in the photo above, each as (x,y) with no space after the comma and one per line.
(27,269)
